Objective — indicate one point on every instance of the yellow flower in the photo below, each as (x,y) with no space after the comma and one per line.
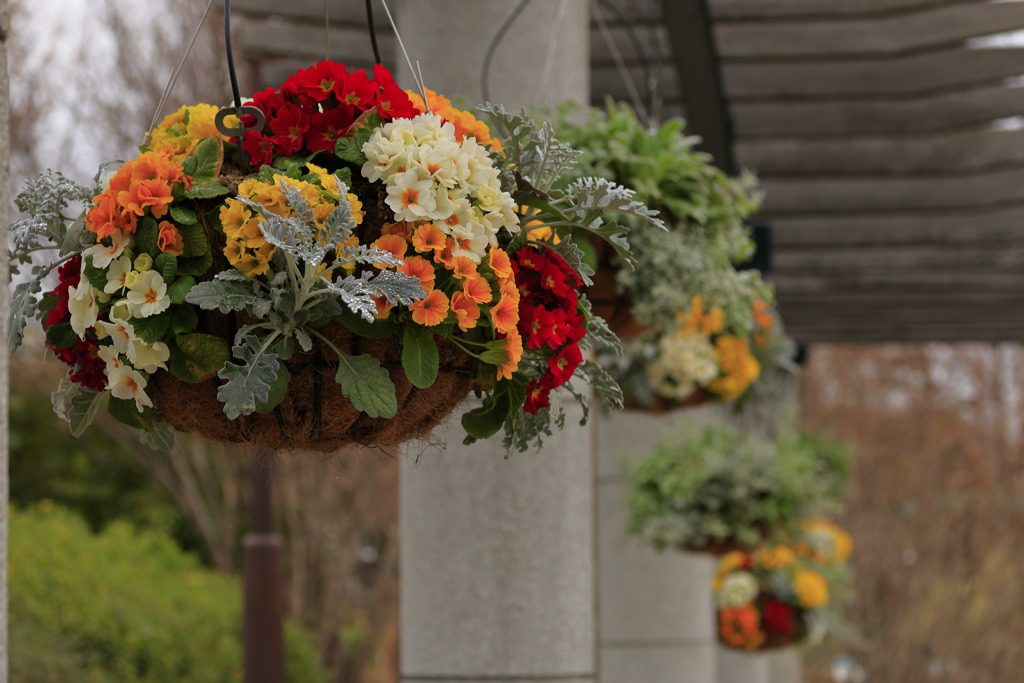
(185,128)
(811,588)
(738,366)
(730,562)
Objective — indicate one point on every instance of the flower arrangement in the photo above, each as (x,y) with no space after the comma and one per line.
(714,489)
(695,327)
(348,273)
(767,598)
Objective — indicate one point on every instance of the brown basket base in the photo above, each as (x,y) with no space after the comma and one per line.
(314,414)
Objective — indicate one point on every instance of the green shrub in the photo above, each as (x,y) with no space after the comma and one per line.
(124,606)
(712,484)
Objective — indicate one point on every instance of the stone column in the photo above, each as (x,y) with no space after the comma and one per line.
(497,556)
(785,666)
(657,618)
(5,306)
(735,666)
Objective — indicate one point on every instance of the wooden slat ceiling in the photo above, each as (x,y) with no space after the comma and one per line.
(890,143)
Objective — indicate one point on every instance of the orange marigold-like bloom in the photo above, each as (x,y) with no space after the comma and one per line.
(477,289)
(420,267)
(428,237)
(505,315)
(740,627)
(500,263)
(106,218)
(431,310)
(514,348)
(465,123)
(169,239)
(152,194)
(467,312)
(738,366)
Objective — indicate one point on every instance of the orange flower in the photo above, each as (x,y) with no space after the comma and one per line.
(514,348)
(431,310)
(500,263)
(419,267)
(509,290)
(464,267)
(477,289)
(383,307)
(106,218)
(505,315)
(444,256)
(428,237)
(152,194)
(402,229)
(391,243)
(169,240)
(466,311)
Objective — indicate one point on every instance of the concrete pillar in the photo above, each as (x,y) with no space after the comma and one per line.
(657,618)
(497,556)
(5,306)
(736,666)
(785,666)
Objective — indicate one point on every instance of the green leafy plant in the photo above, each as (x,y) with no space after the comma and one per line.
(714,486)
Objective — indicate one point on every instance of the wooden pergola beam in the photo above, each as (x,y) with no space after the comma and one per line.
(696,60)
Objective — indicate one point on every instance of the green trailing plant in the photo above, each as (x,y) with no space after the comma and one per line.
(713,486)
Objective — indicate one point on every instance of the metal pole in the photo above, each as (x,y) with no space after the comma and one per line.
(263,630)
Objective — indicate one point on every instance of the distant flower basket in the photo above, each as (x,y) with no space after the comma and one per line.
(347,274)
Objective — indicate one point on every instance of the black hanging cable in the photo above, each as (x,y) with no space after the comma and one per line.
(231,57)
(373,32)
(493,47)
(645,62)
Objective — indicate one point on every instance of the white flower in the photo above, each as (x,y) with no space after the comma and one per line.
(127,383)
(109,355)
(411,198)
(738,589)
(148,295)
(121,334)
(103,254)
(83,307)
(685,362)
(117,275)
(148,357)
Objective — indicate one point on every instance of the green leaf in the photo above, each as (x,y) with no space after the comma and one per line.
(366,384)
(83,408)
(153,328)
(61,336)
(146,237)
(158,436)
(196,265)
(184,319)
(278,389)
(189,166)
(485,421)
(97,277)
(23,306)
(223,295)
(247,384)
(209,155)
(378,329)
(197,357)
(167,266)
(350,150)
(124,410)
(182,215)
(420,358)
(194,241)
(206,189)
(179,288)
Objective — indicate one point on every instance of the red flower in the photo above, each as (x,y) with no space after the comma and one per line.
(91,370)
(564,363)
(259,147)
(326,127)
(290,122)
(537,397)
(269,101)
(778,617)
(392,102)
(319,82)
(357,91)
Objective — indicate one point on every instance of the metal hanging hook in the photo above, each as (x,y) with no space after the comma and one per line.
(237,110)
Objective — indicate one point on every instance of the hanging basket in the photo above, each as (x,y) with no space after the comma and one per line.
(314,414)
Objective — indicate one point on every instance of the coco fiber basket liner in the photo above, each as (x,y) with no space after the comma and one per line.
(314,414)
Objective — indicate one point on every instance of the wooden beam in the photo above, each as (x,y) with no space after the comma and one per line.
(350,45)
(696,59)
(943,26)
(745,10)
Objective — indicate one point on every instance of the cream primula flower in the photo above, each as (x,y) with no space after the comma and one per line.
(685,362)
(103,254)
(121,334)
(83,307)
(127,383)
(148,295)
(149,357)
(109,355)
(738,589)
(117,275)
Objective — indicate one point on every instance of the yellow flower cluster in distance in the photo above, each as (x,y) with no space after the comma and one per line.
(185,128)
(811,588)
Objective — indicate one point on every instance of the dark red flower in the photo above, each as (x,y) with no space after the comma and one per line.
(564,363)
(91,370)
(259,147)
(326,127)
(537,396)
(269,100)
(778,617)
(319,82)
(392,102)
(291,122)
(357,91)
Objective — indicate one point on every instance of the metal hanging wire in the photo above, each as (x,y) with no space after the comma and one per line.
(241,113)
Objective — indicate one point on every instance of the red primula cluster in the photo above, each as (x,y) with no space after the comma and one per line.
(549,317)
(316,106)
(87,368)
(778,617)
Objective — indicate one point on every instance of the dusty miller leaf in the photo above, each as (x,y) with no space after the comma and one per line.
(249,382)
(358,293)
(224,295)
(23,307)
